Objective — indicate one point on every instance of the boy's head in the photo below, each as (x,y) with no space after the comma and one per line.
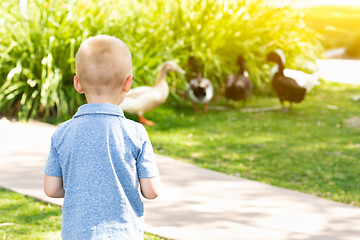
(103,64)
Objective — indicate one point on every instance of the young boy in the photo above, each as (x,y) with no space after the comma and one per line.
(99,158)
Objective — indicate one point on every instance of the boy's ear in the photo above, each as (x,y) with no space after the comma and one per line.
(127,84)
(77,85)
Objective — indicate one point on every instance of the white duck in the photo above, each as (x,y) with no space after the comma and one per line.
(143,99)
(304,80)
(200,89)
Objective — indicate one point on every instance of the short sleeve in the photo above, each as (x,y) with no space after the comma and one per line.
(52,166)
(145,163)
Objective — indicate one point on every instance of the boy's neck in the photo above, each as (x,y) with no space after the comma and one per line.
(104,99)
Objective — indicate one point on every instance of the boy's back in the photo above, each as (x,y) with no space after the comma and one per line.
(100,155)
(98,159)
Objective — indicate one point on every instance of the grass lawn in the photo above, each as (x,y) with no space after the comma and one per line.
(310,149)
(338,25)
(25,218)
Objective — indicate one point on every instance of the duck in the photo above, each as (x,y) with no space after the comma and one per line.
(142,99)
(308,81)
(286,88)
(238,86)
(200,90)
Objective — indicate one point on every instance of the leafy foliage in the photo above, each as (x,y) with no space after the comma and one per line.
(38,55)
(37,50)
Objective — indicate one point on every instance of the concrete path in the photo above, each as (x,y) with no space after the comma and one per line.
(340,70)
(195,203)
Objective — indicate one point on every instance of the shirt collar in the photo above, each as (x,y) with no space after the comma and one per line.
(99,108)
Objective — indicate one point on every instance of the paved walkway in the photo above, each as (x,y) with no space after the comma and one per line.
(197,203)
(340,70)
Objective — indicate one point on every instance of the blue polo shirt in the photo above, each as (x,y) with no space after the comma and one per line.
(100,155)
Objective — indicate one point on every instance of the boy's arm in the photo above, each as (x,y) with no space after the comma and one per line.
(53,186)
(150,187)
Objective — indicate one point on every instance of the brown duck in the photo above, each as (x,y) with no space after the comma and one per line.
(239,86)
(286,88)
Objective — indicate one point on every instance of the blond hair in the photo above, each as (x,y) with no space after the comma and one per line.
(102,63)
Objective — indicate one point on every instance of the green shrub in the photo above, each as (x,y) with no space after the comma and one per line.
(37,51)
(38,54)
(218,31)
